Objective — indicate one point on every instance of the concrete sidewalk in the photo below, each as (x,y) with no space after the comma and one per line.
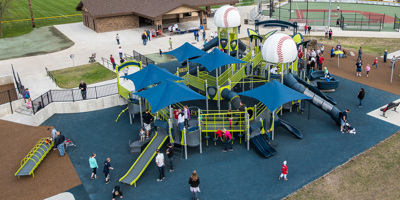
(33,75)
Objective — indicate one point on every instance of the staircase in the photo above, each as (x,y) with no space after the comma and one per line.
(24,110)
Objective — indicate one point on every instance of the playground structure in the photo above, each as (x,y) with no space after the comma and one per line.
(35,156)
(216,75)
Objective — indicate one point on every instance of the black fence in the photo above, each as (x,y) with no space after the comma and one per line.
(73,95)
(139,57)
(9,96)
(396,25)
(18,84)
(359,22)
(52,77)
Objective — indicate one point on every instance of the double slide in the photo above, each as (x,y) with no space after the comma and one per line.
(147,155)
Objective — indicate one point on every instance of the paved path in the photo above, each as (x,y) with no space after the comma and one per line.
(33,75)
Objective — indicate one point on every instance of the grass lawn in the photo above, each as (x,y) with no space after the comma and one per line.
(90,73)
(373,46)
(373,174)
(19,10)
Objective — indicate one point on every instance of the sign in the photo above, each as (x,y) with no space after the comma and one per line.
(72,56)
(184,69)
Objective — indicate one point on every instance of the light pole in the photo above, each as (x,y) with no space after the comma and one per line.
(329,14)
(30,9)
(394,60)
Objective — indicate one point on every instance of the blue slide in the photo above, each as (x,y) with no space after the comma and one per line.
(262,145)
(286,125)
(315,90)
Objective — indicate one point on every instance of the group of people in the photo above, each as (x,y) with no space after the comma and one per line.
(182,117)
(314,58)
(58,139)
(146,36)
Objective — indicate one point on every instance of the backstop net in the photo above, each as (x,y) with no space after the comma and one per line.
(361,22)
(396,25)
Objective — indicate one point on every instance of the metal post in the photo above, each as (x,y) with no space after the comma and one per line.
(72,91)
(219,98)
(279,12)
(391,76)
(184,141)
(199,122)
(206,96)
(290,10)
(170,133)
(140,111)
(273,123)
(247,129)
(9,99)
(95,91)
(307,13)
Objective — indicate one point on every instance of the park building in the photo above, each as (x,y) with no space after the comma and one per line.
(113,15)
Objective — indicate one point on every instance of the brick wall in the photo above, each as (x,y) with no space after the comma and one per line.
(87,20)
(116,23)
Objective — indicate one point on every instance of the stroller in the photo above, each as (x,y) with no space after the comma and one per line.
(68,143)
(92,58)
(349,129)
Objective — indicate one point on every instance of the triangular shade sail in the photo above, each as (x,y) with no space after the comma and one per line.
(274,94)
(168,93)
(185,52)
(150,75)
(215,59)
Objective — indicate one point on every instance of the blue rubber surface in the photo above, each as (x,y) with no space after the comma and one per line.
(240,174)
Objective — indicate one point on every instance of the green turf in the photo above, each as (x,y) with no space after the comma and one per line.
(19,10)
(284,14)
(90,73)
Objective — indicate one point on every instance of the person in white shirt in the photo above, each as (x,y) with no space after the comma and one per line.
(212,35)
(181,120)
(274,70)
(160,164)
(313,54)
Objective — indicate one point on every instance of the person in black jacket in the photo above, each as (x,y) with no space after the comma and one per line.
(117,192)
(59,143)
(194,182)
(360,96)
(82,87)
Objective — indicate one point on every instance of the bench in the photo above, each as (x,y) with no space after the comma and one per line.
(390,106)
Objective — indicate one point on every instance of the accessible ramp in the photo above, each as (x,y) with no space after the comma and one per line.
(262,146)
(32,160)
(147,155)
(318,101)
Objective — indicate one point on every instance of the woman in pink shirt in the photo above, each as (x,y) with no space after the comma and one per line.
(228,139)
(367,68)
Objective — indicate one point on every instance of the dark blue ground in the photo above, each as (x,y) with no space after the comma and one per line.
(240,174)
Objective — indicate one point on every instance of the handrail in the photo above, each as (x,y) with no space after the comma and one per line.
(52,77)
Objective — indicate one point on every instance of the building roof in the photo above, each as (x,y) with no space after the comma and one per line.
(146,8)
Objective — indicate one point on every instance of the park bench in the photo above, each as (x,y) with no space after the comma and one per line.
(389,106)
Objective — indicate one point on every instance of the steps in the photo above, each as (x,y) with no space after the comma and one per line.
(24,110)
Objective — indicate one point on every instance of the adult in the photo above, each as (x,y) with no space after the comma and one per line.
(385,56)
(313,53)
(305,29)
(320,62)
(170,44)
(375,62)
(300,56)
(160,165)
(204,35)
(26,94)
(284,171)
(358,68)
(170,154)
(59,143)
(170,30)
(332,53)
(106,170)
(113,62)
(343,119)
(176,113)
(360,96)
(93,165)
(39,107)
(338,8)
(186,114)
(117,192)
(338,47)
(322,49)
(330,34)
(147,119)
(194,182)
(239,28)
(82,87)
(212,35)
(228,139)
(241,109)
(195,34)
(144,37)
(326,32)
(120,52)
(181,120)
(360,54)
(117,38)
(274,70)
(148,35)
(309,28)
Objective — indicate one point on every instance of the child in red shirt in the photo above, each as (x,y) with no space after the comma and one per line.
(284,171)
(375,63)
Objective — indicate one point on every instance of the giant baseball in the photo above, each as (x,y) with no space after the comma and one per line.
(279,48)
(227,16)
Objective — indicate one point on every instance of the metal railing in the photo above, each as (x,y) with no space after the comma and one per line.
(107,63)
(139,57)
(73,95)
(52,77)
(9,96)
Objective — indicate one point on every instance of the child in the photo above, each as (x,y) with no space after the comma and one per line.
(142,134)
(106,169)
(229,115)
(29,105)
(375,63)
(367,68)
(160,52)
(350,129)
(218,134)
(126,71)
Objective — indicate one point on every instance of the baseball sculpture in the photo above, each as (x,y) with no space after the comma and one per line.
(227,17)
(279,48)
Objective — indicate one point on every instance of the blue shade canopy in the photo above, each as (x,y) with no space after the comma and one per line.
(185,52)
(167,93)
(150,75)
(216,58)
(274,94)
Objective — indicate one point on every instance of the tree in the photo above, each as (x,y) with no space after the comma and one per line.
(3,9)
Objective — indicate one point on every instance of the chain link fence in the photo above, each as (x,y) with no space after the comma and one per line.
(396,24)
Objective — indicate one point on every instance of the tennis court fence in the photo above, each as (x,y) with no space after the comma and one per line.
(396,24)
